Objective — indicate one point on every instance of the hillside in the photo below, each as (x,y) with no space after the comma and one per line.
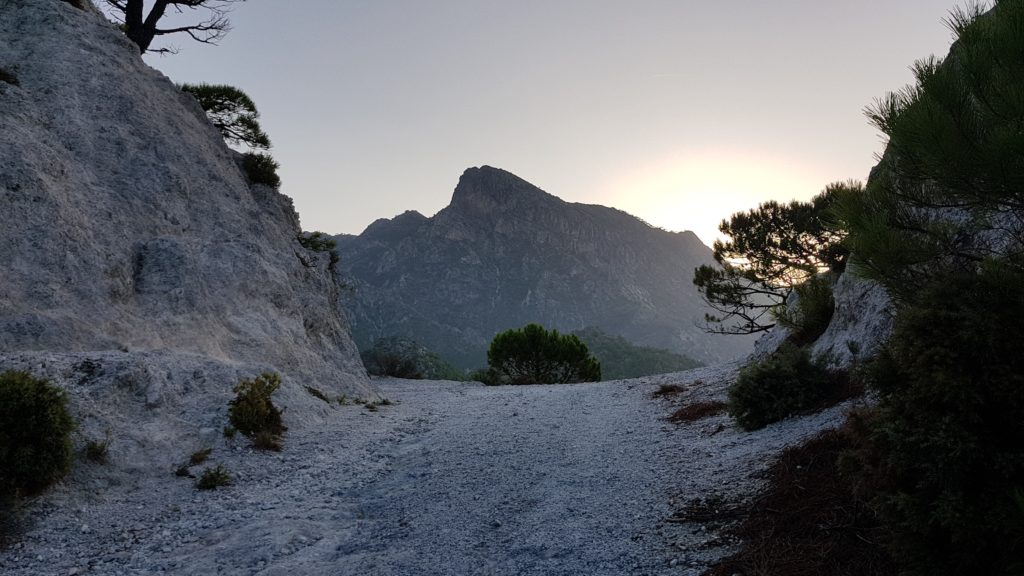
(142,272)
(505,253)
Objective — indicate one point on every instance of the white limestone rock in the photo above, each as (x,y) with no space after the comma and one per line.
(129,237)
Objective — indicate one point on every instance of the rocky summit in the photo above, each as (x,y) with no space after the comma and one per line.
(505,253)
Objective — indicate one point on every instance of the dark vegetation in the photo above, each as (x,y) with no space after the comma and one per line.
(261,168)
(933,474)
(621,358)
(786,383)
(771,250)
(213,478)
(253,413)
(232,112)
(404,358)
(698,411)
(142,27)
(812,312)
(8,76)
(35,434)
(533,355)
(666,390)
(811,520)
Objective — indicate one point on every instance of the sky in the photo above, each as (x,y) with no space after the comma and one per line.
(679,112)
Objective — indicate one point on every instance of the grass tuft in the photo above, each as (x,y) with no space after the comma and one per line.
(666,390)
(213,478)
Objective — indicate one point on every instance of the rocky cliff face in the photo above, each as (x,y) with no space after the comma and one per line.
(135,256)
(505,253)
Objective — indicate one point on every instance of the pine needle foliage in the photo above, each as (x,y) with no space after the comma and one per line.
(261,168)
(941,226)
(252,412)
(232,112)
(534,355)
(770,250)
(949,190)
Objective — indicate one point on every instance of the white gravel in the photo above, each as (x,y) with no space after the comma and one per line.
(452,479)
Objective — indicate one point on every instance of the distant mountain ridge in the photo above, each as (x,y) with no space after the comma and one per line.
(505,253)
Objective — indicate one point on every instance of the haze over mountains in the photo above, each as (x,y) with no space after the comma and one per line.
(505,253)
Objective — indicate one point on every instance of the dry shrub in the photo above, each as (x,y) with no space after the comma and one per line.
(666,390)
(811,519)
(698,411)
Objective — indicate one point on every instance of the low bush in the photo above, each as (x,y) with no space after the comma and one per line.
(533,355)
(261,168)
(810,316)
(213,478)
(785,383)
(698,411)
(949,434)
(317,241)
(667,390)
(810,519)
(487,376)
(35,434)
(252,412)
(320,242)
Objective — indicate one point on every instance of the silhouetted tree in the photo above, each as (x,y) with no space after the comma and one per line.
(142,28)
(232,112)
(770,250)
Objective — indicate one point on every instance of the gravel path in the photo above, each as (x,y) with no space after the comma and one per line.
(452,479)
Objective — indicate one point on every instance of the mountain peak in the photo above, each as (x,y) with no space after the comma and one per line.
(485,188)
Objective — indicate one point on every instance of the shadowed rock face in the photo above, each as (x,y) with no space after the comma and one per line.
(505,253)
(127,226)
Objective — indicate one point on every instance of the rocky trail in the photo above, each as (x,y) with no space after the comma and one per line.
(452,478)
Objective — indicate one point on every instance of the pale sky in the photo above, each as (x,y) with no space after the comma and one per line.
(678,112)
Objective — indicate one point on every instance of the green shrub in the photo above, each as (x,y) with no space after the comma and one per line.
(784,384)
(810,316)
(950,429)
(252,412)
(317,241)
(487,376)
(261,168)
(533,355)
(232,112)
(35,434)
(213,478)
(320,242)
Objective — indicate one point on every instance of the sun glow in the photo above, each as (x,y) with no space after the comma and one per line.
(695,190)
